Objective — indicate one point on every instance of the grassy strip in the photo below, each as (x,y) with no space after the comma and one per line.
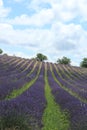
(70,83)
(18,92)
(32,69)
(62,70)
(28,66)
(14,80)
(58,71)
(53,117)
(67,89)
(68,71)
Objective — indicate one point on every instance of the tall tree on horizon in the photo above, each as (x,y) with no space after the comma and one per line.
(1,51)
(64,60)
(84,63)
(41,57)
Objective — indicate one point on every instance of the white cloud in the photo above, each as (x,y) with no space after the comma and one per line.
(21,54)
(1,3)
(59,40)
(27,37)
(67,37)
(64,10)
(3,11)
(39,19)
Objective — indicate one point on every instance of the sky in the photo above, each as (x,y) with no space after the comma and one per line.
(55,28)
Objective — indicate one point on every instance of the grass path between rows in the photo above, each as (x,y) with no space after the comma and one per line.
(53,117)
(18,92)
(67,89)
(68,82)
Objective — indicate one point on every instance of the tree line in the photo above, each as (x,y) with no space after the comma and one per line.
(64,60)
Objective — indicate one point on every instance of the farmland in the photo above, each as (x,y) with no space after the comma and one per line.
(43,96)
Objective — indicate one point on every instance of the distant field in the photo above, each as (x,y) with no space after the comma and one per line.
(48,96)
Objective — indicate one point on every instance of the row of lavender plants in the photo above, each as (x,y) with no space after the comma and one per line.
(65,70)
(65,74)
(26,110)
(28,106)
(15,81)
(77,109)
(80,90)
(81,84)
(76,73)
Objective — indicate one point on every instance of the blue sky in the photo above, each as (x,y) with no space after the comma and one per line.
(55,28)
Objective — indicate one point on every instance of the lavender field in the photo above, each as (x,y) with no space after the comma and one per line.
(36,95)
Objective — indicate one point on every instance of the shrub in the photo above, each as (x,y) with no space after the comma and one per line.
(15,121)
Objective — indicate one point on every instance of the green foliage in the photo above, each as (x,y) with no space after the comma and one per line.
(53,118)
(14,121)
(64,60)
(17,92)
(84,63)
(1,51)
(67,89)
(41,57)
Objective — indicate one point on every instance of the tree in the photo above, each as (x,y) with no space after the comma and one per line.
(84,63)
(1,51)
(64,60)
(41,57)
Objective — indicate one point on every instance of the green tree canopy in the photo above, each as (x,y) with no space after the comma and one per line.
(1,51)
(84,63)
(64,60)
(41,57)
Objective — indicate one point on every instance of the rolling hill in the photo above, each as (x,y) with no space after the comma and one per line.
(43,96)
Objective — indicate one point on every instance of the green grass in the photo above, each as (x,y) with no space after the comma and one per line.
(62,70)
(27,66)
(18,92)
(15,80)
(53,117)
(32,69)
(67,89)
(69,83)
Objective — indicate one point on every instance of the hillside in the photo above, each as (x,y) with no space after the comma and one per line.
(48,96)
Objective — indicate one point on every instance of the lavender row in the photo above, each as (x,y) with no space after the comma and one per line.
(7,87)
(8,68)
(15,76)
(4,65)
(31,103)
(76,109)
(12,67)
(17,72)
(78,84)
(75,74)
(79,90)
(72,78)
(81,71)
